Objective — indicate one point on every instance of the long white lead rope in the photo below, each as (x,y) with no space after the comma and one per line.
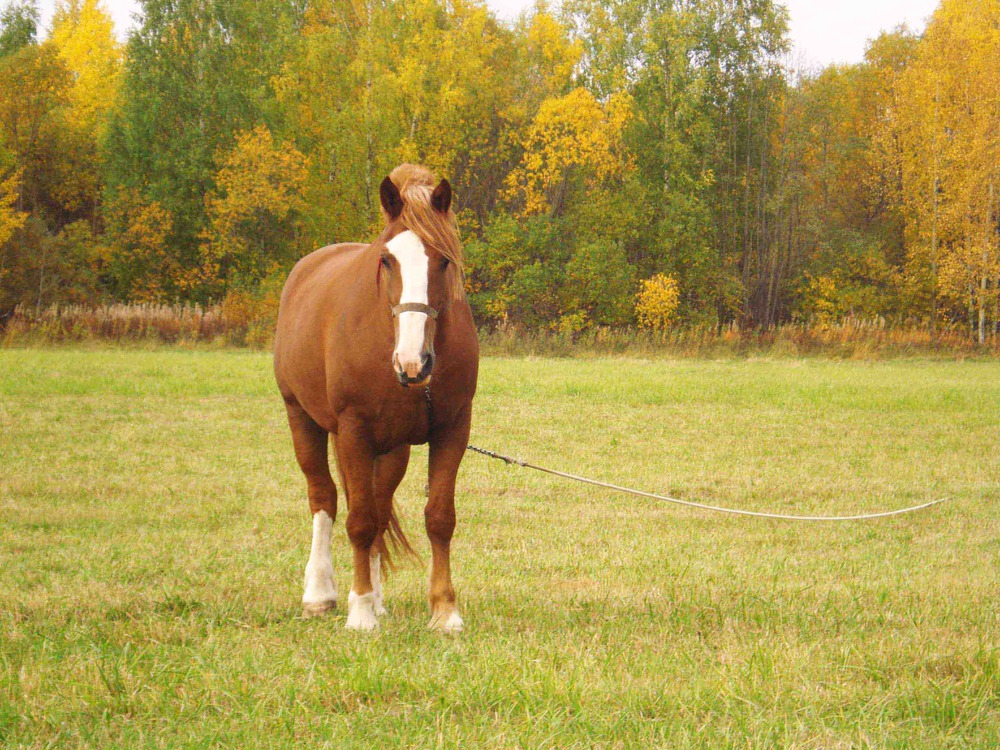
(703,506)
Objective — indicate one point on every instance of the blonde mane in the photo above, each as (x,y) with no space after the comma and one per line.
(440,231)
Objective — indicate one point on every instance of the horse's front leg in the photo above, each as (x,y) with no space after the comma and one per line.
(357,461)
(310,441)
(446,450)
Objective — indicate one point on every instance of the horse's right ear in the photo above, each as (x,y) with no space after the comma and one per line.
(392,201)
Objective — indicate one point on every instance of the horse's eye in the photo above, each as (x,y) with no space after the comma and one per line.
(384,261)
(444,263)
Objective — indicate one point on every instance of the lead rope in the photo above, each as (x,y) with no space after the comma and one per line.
(689,503)
(430,406)
(430,418)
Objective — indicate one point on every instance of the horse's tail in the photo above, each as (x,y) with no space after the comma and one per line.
(397,541)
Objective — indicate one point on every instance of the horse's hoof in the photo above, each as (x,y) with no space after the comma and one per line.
(447,622)
(361,612)
(317,609)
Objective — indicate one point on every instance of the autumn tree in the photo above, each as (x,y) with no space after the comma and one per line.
(255,212)
(832,256)
(374,84)
(572,138)
(34,87)
(83,35)
(10,218)
(197,74)
(141,262)
(657,302)
(18,25)
(948,121)
(705,79)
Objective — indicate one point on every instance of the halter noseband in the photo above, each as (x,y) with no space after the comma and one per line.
(415,307)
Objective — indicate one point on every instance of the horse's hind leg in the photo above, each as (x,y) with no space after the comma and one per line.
(310,441)
(389,472)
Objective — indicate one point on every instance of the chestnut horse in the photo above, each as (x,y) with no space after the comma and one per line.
(375,346)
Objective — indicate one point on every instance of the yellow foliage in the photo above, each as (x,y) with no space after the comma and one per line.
(967,274)
(949,130)
(10,218)
(258,175)
(572,131)
(821,293)
(557,55)
(141,243)
(83,33)
(84,41)
(572,323)
(657,302)
(258,183)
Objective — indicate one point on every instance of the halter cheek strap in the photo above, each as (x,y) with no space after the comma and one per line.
(415,307)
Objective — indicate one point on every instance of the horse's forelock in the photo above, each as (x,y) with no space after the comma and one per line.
(440,230)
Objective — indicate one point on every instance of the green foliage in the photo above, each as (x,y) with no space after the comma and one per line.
(600,283)
(531,299)
(142,267)
(255,212)
(19,21)
(197,74)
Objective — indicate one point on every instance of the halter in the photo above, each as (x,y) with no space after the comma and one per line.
(415,307)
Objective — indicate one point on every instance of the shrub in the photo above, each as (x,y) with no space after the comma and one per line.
(657,302)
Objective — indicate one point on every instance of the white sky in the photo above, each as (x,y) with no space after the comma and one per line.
(823,31)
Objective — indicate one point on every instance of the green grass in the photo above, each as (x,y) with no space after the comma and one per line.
(154,532)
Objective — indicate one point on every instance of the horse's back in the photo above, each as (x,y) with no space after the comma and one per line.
(318,269)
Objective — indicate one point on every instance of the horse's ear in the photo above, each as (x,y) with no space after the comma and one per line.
(441,197)
(392,201)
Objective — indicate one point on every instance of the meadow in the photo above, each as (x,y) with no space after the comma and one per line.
(154,532)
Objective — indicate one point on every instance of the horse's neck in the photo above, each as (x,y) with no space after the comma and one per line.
(368,290)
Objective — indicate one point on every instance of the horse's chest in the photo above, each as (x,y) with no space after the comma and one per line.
(400,421)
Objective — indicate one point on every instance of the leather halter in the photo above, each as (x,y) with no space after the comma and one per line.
(415,307)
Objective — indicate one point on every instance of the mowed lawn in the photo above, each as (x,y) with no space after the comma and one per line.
(154,531)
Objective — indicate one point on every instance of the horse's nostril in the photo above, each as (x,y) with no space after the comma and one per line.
(426,365)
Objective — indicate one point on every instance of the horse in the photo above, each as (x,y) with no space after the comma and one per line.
(375,350)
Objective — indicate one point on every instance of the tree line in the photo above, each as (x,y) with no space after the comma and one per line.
(649,162)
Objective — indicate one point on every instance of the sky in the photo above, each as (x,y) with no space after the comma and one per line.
(822,31)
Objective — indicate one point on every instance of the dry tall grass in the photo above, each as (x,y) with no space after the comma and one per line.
(849,338)
(239,320)
(243,320)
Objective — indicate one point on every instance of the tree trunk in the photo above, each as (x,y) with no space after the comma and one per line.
(982,307)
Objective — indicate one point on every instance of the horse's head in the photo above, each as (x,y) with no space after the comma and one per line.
(417,259)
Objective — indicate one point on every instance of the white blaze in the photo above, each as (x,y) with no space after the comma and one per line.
(319,588)
(408,250)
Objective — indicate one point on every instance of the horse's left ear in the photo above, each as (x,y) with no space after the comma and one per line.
(392,201)
(441,197)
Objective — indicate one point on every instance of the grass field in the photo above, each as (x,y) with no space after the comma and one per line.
(154,532)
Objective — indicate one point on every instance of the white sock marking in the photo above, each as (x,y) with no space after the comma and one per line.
(448,621)
(319,588)
(361,611)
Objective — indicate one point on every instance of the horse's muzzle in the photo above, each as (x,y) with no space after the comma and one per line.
(426,365)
